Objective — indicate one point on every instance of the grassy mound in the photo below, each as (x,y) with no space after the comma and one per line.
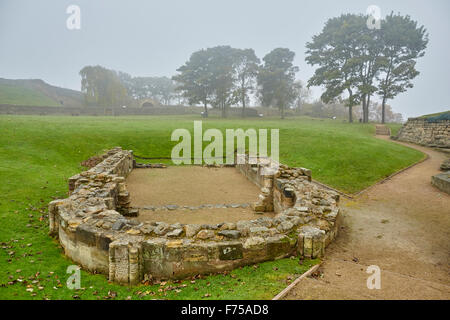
(24,96)
(36,92)
(436,115)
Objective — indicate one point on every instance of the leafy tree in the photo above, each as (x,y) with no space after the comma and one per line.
(222,69)
(127,81)
(302,93)
(102,87)
(165,88)
(276,79)
(194,79)
(403,43)
(359,61)
(246,66)
(209,78)
(336,51)
(161,89)
(375,113)
(369,67)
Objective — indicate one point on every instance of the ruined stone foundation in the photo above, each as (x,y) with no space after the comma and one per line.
(93,225)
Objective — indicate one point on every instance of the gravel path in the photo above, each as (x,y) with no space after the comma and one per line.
(402,226)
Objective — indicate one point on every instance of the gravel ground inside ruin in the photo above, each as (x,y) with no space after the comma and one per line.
(402,226)
(190,186)
(193,186)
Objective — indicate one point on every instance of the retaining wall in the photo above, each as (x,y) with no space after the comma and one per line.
(424,132)
(96,111)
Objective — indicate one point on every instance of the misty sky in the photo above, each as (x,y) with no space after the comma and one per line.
(154,38)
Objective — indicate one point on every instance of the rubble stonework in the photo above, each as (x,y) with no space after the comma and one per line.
(93,227)
(445,165)
(424,132)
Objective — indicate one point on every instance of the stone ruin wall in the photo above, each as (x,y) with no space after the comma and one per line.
(426,133)
(93,228)
(436,134)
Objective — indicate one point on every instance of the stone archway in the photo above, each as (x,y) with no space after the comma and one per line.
(149,103)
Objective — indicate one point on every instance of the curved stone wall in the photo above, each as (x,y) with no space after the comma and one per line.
(93,227)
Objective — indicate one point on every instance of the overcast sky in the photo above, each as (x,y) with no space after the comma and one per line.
(153,38)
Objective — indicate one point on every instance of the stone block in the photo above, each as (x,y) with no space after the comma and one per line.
(205,234)
(103,242)
(191,230)
(85,235)
(230,252)
(118,225)
(442,181)
(232,234)
(277,249)
(175,233)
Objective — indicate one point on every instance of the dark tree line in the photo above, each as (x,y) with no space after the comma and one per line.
(357,62)
(105,88)
(160,89)
(223,76)
(102,87)
(354,64)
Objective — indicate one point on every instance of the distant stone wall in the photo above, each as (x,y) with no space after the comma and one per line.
(96,111)
(93,227)
(131,111)
(427,133)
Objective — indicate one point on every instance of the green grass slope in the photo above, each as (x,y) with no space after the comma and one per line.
(35,92)
(38,154)
(435,114)
(24,96)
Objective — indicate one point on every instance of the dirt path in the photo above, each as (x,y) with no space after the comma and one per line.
(402,226)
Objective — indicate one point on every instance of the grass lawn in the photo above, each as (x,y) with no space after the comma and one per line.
(23,96)
(38,154)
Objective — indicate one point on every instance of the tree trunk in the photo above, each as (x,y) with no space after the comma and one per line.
(243,105)
(386,82)
(206,109)
(224,113)
(367,107)
(350,106)
(364,103)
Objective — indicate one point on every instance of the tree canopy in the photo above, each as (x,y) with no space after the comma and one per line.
(102,87)
(161,89)
(353,61)
(222,76)
(194,79)
(276,79)
(246,68)
(358,62)
(403,43)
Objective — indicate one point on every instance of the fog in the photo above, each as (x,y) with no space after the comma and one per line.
(154,38)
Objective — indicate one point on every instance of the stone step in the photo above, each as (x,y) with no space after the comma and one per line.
(382,130)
